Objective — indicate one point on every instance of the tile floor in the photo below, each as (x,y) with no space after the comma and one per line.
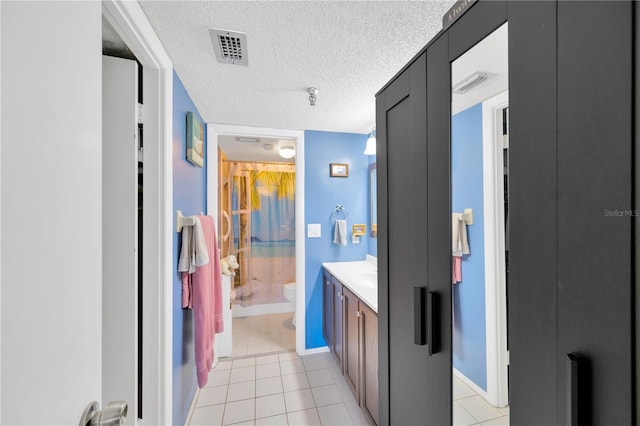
(263,334)
(469,408)
(279,389)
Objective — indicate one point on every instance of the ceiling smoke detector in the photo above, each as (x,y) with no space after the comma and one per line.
(230,46)
(470,82)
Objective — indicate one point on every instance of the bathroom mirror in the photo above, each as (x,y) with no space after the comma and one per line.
(373,205)
(480,232)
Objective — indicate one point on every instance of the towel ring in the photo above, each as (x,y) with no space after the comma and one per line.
(336,213)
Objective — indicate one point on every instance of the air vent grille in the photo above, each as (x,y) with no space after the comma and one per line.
(470,82)
(230,46)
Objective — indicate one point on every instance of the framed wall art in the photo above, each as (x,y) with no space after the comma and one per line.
(195,140)
(338,170)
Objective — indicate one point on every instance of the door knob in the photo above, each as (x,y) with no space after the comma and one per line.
(113,414)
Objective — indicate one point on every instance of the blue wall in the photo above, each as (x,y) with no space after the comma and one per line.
(189,195)
(469,331)
(322,194)
(372,242)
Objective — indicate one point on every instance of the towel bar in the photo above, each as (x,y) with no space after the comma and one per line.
(182,221)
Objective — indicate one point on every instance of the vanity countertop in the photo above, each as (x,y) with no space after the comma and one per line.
(361,277)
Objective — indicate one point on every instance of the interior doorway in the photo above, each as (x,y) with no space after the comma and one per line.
(258,203)
(147,316)
(496,209)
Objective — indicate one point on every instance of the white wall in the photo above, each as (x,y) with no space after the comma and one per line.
(51,210)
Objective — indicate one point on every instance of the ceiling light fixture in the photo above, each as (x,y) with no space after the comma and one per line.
(287,151)
(312,95)
(370,149)
(470,82)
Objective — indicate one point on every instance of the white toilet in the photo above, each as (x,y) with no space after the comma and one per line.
(289,293)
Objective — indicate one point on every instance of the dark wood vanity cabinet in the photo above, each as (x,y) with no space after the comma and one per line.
(327,304)
(351,330)
(332,322)
(369,361)
(351,340)
(337,315)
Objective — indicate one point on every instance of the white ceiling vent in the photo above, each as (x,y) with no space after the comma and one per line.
(230,46)
(247,139)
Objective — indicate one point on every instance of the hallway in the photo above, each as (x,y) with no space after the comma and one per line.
(281,389)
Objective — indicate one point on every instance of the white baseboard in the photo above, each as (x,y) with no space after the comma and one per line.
(467,381)
(314,351)
(264,309)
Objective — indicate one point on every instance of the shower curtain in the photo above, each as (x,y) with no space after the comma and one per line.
(263,212)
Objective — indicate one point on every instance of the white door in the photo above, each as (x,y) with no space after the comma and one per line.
(120,233)
(51,211)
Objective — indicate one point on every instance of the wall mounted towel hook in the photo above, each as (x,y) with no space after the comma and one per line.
(182,221)
(467,216)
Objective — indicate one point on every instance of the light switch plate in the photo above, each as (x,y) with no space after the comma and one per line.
(314,230)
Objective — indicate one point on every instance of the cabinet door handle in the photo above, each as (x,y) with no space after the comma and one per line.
(573,389)
(432,323)
(418,316)
(358,314)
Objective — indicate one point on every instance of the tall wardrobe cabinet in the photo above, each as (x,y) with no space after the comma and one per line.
(572,212)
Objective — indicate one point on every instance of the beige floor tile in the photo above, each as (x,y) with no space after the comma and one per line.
(210,415)
(304,418)
(239,411)
(298,400)
(479,408)
(268,406)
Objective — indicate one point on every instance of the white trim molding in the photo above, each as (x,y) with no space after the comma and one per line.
(467,381)
(494,249)
(130,22)
(213,131)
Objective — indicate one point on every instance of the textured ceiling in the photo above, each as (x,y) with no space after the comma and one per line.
(348,50)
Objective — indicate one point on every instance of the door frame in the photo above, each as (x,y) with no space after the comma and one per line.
(495,277)
(130,22)
(213,131)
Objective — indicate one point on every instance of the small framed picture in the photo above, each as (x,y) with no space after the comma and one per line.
(195,140)
(338,170)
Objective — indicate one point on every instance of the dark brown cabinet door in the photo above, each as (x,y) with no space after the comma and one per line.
(327,309)
(337,347)
(369,363)
(351,346)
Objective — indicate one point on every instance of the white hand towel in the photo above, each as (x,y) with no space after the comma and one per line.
(459,241)
(340,232)
(194,248)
